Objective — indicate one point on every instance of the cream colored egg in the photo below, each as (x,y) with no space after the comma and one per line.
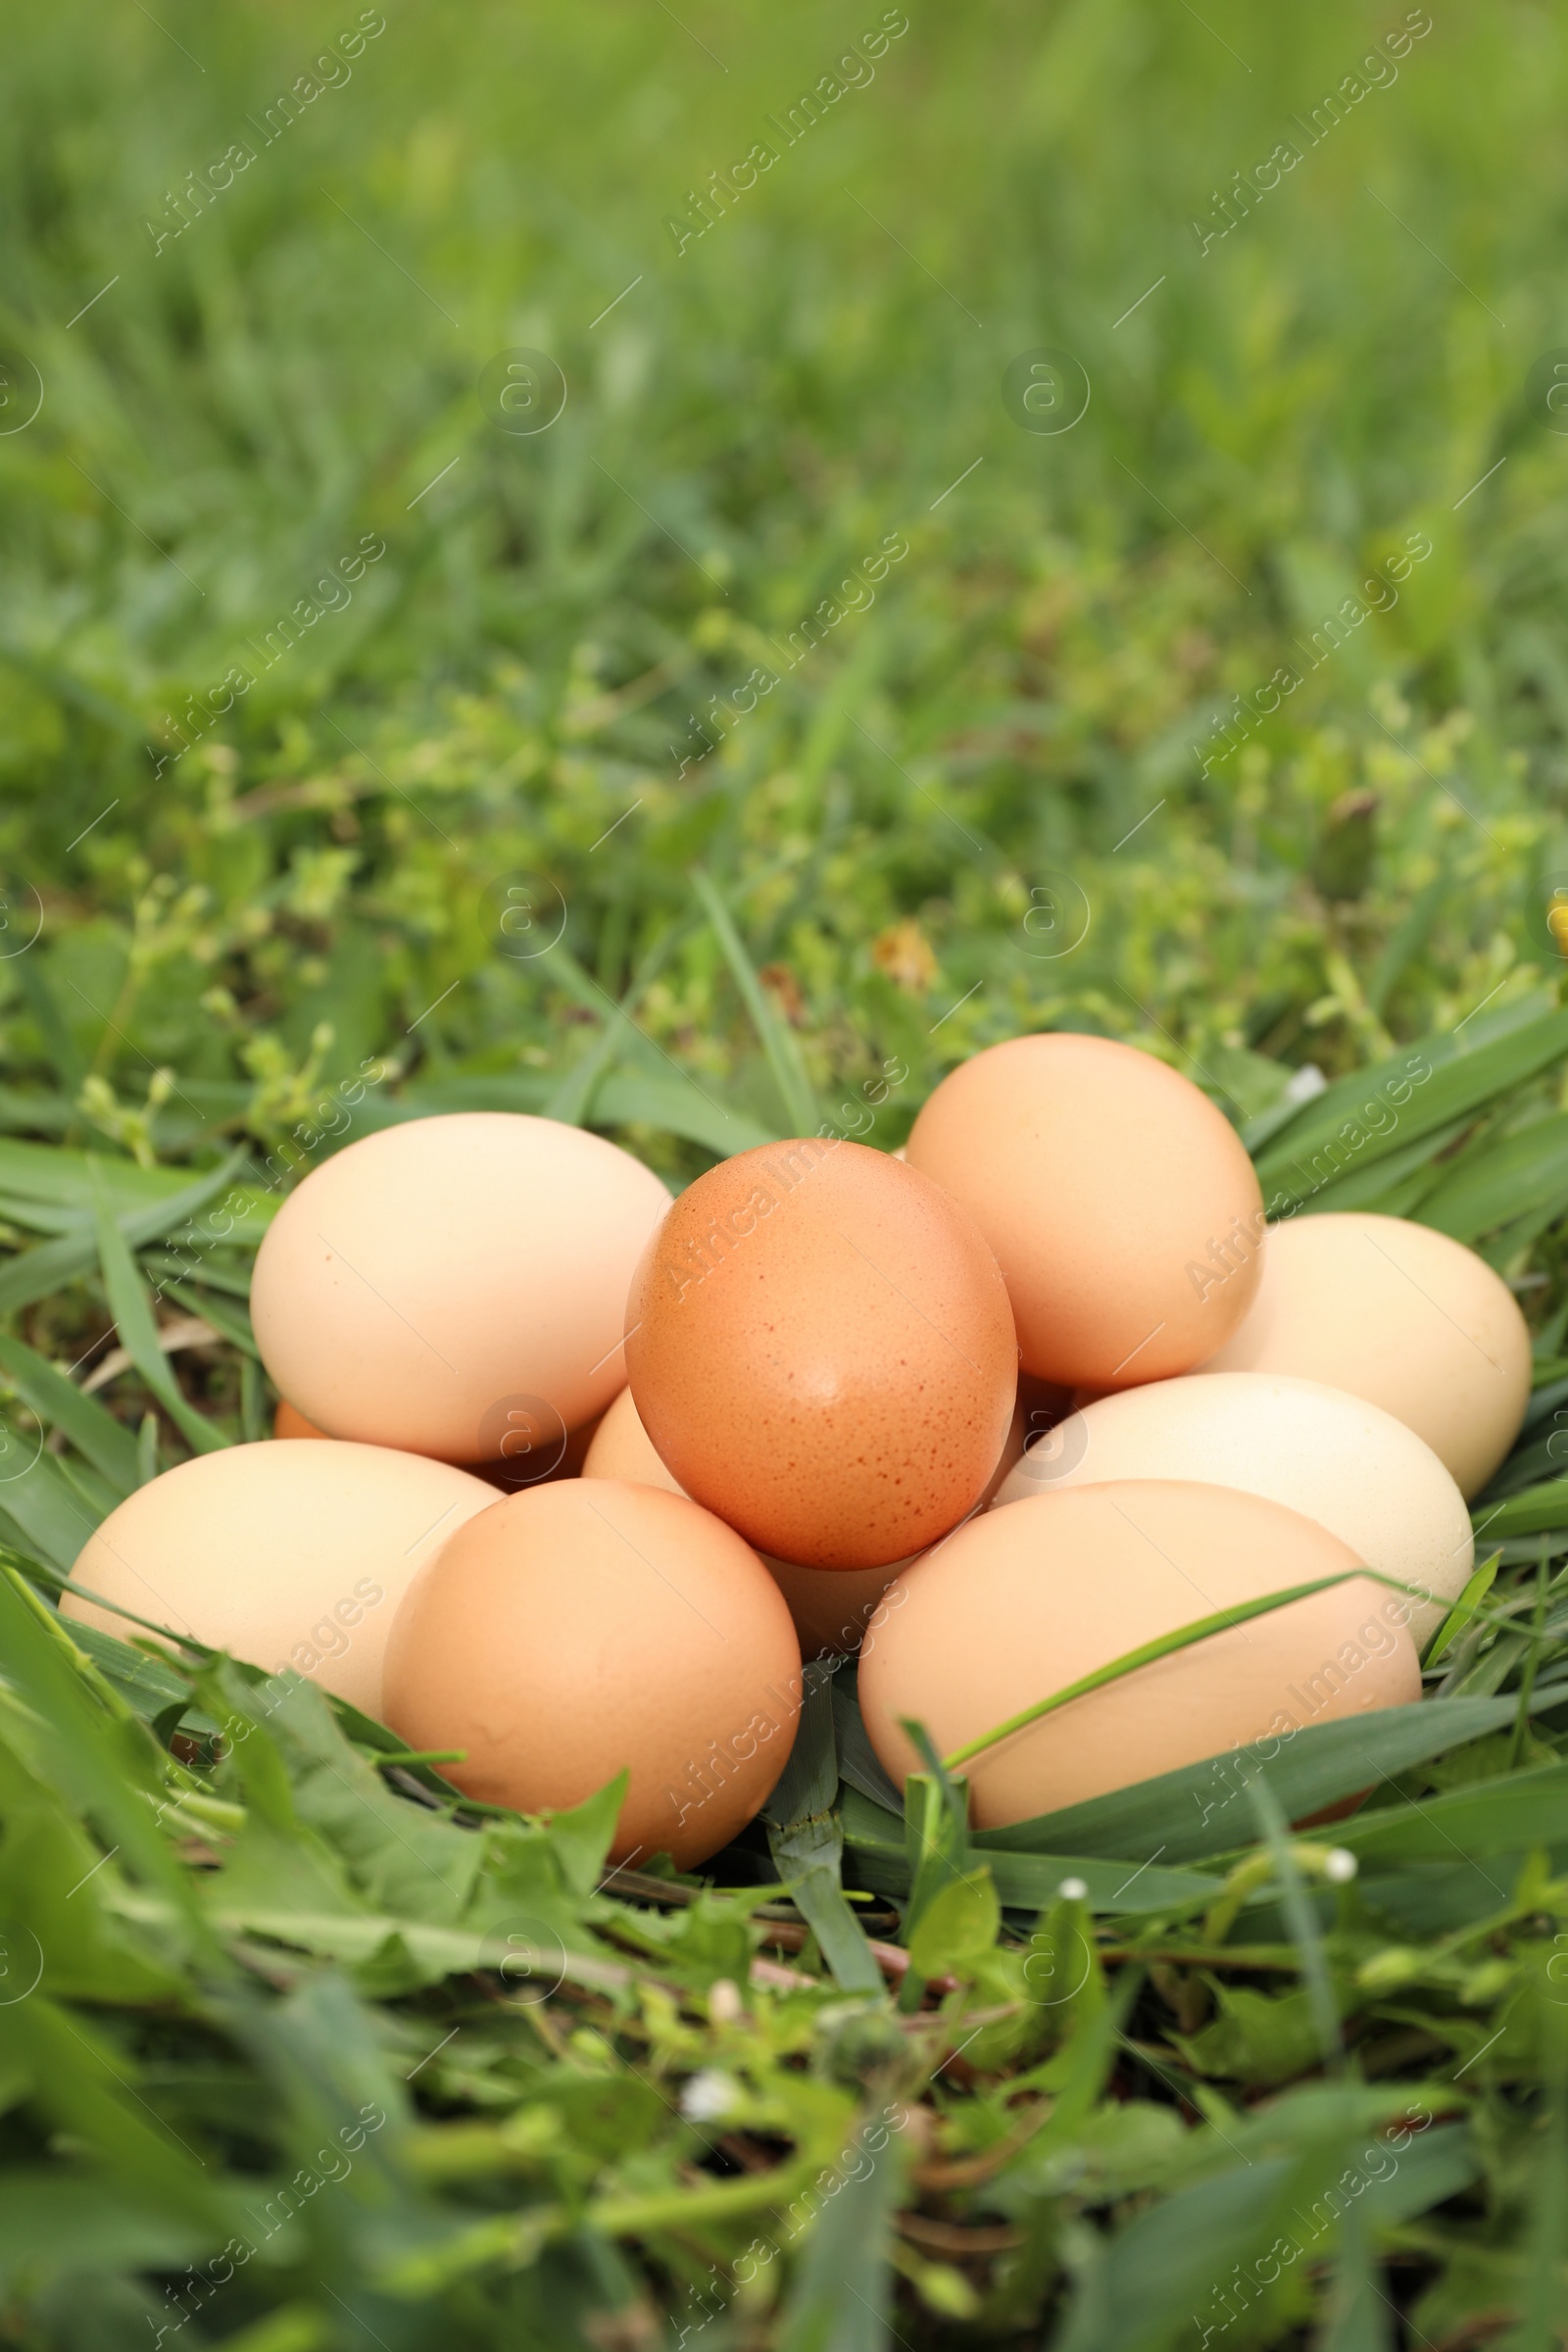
(1024,1601)
(1402,1316)
(456,1286)
(591,1627)
(294,1552)
(1319,1450)
(829,1605)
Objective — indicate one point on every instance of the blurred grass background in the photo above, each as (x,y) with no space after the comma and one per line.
(947,786)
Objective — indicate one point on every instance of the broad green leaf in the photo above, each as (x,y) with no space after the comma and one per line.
(959,1923)
(401,1858)
(84,2084)
(91,1745)
(63,2222)
(1162,2280)
(63,1919)
(1255,2036)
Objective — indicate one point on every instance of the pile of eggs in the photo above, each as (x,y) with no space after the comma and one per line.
(569,1475)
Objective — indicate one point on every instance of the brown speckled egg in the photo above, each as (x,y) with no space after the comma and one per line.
(1023,1602)
(830,1607)
(456,1286)
(821,1350)
(593,1627)
(1402,1316)
(1121,1205)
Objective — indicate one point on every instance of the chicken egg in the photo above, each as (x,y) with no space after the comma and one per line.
(1105,1183)
(820,1348)
(829,1605)
(593,1626)
(287,1423)
(1318,1450)
(525,1460)
(292,1553)
(456,1286)
(1022,1603)
(1402,1316)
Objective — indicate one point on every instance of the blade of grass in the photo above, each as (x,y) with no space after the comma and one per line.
(654,1067)
(132,1307)
(233,1322)
(106,1443)
(807,1841)
(777,1039)
(47,1512)
(1164,1645)
(1301,1921)
(1527,1680)
(1183,1815)
(1459,1082)
(1463,1609)
(572,1096)
(37,1273)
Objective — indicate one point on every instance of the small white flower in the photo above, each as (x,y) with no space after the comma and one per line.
(706,2097)
(1072,1891)
(725,2004)
(1340,1866)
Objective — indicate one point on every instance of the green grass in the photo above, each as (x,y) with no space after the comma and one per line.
(985,802)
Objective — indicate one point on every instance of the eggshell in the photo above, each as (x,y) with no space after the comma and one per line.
(1318,1450)
(1104,1182)
(821,1350)
(439,1285)
(534,1455)
(829,1605)
(292,1553)
(1024,1601)
(527,1457)
(591,1625)
(1402,1316)
(287,1423)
